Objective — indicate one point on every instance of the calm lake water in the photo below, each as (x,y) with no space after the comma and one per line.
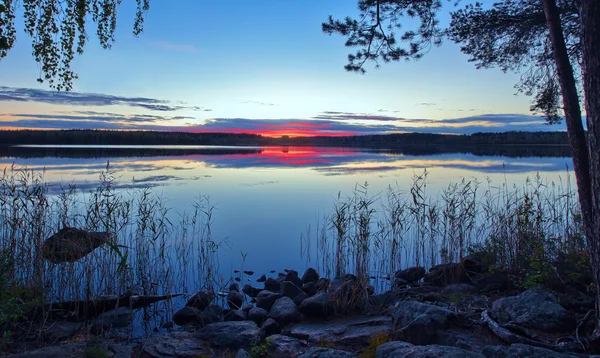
(266,198)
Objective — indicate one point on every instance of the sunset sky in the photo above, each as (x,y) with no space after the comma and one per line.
(261,67)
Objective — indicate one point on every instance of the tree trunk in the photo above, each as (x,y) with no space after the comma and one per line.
(590,38)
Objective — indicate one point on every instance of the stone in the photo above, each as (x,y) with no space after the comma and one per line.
(66,350)
(411,274)
(266,299)
(70,244)
(323,284)
(292,276)
(172,344)
(236,315)
(534,308)
(234,287)
(119,318)
(213,313)
(201,299)
(491,282)
(459,289)
(285,311)
(310,275)
(235,299)
(258,315)
(242,353)
(289,289)
(318,306)
(270,327)
(284,346)
(251,291)
(300,298)
(231,335)
(403,350)
(261,278)
(445,274)
(519,350)
(421,323)
(320,352)
(186,315)
(476,263)
(59,331)
(247,308)
(310,288)
(272,285)
(349,295)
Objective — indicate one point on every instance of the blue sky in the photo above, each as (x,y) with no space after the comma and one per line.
(250,65)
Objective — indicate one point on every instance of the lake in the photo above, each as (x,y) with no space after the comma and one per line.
(267,198)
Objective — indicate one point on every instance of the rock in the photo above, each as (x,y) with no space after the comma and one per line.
(292,276)
(533,308)
(201,299)
(234,287)
(476,263)
(420,323)
(70,244)
(258,315)
(261,278)
(212,314)
(310,288)
(236,315)
(272,285)
(461,339)
(323,284)
(119,318)
(270,327)
(285,311)
(401,350)
(310,275)
(249,272)
(349,295)
(284,346)
(235,300)
(289,289)
(242,353)
(399,283)
(231,335)
(300,298)
(489,282)
(519,350)
(172,344)
(411,274)
(266,299)
(446,274)
(349,333)
(251,291)
(186,315)
(59,331)
(318,306)
(459,289)
(247,308)
(319,352)
(66,350)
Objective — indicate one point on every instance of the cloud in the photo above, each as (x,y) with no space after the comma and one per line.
(259,103)
(176,47)
(426,104)
(89,99)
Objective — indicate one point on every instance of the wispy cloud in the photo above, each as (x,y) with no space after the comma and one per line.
(90,99)
(177,47)
(259,103)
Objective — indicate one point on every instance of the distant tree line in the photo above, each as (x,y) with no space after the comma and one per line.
(387,141)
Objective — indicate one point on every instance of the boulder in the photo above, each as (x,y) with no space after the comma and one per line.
(59,331)
(533,308)
(242,353)
(411,274)
(289,289)
(310,275)
(292,276)
(235,299)
(320,352)
(490,282)
(258,315)
(186,315)
(65,350)
(459,290)
(119,318)
(272,285)
(519,350)
(172,344)
(251,291)
(323,284)
(404,350)
(421,323)
(310,288)
(231,335)
(270,327)
(211,314)
(236,315)
(201,299)
(284,346)
(349,294)
(445,274)
(266,299)
(478,262)
(261,278)
(300,298)
(320,305)
(285,311)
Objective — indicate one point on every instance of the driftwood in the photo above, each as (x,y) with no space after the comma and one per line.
(71,244)
(82,310)
(508,336)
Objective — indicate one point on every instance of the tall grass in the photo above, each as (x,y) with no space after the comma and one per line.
(377,234)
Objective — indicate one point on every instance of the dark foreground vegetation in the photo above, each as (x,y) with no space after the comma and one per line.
(478,271)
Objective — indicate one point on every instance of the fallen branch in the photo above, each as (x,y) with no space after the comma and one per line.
(508,336)
(583,320)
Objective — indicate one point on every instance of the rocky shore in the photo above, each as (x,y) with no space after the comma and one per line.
(463,309)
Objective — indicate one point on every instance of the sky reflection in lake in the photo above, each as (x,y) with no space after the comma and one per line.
(266,197)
